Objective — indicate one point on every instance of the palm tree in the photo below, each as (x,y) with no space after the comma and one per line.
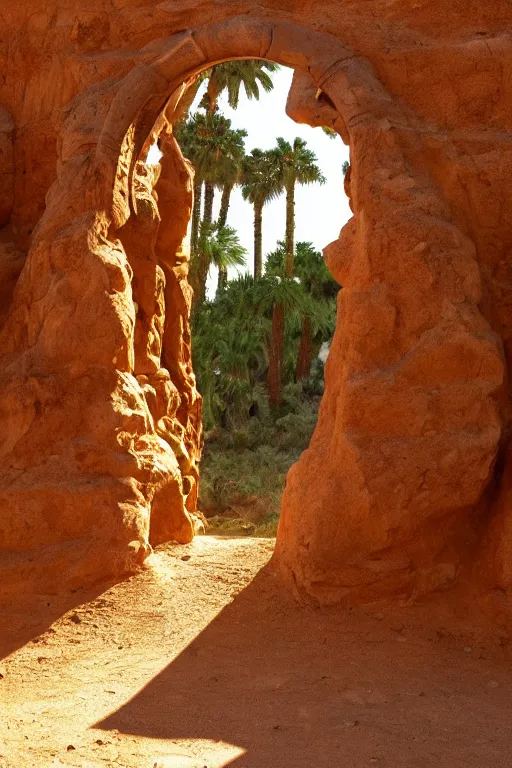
(283,295)
(231,75)
(227,188)
(298,166)
(261,299)
(229,174)
(230,352)
(216,151)
(182,111)
(261,183)
(218,246)
(226,183)
(319,315)
(225,149)
(222,246)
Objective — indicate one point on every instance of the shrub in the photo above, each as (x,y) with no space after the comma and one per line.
(243,471)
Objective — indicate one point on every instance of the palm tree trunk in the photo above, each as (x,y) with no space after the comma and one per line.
(305,356)
(209,194)
(196,216)
(198,279)
(221,221)
(201,288)
(222,281)
(203,265)
(290,229)
(275,368)
(224,204)
(258,238)
(212,93)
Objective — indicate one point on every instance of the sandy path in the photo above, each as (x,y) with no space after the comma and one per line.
(201,661)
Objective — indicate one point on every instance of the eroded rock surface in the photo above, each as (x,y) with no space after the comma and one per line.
(405,484)
(100,451)
(6,166)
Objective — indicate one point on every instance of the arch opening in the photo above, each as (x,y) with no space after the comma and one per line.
(247,454)
(152,124)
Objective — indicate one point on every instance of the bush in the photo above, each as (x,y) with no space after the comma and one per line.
(243,471)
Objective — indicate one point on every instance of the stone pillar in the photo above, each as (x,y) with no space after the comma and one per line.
(409,425)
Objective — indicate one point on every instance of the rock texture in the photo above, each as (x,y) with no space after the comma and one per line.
(406,482)
(411,415)
(6,166)
(99,441)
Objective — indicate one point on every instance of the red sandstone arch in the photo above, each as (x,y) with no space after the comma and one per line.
(409,426)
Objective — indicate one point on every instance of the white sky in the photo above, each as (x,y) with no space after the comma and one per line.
(320,211)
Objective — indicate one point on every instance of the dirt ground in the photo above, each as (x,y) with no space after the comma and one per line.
(201,660)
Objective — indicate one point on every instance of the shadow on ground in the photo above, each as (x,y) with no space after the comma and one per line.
(24,619)
(299,687)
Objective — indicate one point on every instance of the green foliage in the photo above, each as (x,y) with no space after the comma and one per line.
(230,76)
(215,149)
(310,268)
(249,446)
(317,282)
(220,246)
(243,471)
(231,335)
(230,353)
(217,245)
(298,163)
(261,181)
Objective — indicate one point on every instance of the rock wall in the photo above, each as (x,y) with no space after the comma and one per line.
(411,411)
(406,480)
(100,441)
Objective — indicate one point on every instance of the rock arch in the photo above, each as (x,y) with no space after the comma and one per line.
(98,398)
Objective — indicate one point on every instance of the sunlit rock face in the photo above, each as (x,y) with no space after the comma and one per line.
(406,481)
